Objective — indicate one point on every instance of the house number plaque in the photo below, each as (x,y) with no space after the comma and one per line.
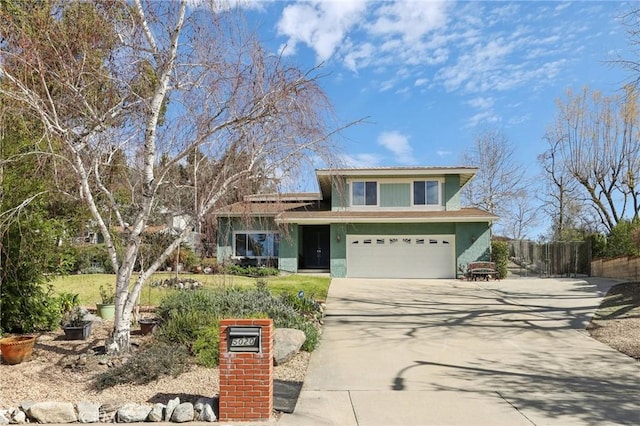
(244,339)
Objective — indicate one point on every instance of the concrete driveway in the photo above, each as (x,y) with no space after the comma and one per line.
(446,352)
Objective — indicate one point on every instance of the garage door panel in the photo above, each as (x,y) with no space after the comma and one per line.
(400,256)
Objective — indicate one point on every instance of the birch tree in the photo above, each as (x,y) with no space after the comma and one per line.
(156,80)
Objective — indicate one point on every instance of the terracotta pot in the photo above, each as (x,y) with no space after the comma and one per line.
(16,349)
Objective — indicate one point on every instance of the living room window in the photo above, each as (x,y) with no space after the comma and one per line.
(364,193)
(426,193)
(256,244)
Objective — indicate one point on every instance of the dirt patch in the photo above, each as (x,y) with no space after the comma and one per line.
(63,370)
(617,321)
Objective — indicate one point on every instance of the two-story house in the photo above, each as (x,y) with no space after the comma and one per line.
(400,222)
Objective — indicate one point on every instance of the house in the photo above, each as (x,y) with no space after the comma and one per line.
(396,222)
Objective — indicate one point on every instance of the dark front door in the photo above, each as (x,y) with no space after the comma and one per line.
(315,247)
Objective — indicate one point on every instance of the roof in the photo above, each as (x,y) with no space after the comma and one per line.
(382,216)
(325,175)
(320,213)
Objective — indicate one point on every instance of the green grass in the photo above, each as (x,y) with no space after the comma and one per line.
(87,286)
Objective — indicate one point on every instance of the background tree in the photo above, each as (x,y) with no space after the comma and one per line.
(499,183)
(595,143)
(156,80)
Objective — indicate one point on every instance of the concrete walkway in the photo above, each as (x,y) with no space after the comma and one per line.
(445,352)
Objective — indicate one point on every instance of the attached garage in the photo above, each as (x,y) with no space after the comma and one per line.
(400,256)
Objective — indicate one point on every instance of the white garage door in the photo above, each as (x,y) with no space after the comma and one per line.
(401,256)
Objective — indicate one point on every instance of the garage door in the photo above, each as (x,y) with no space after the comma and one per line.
(400,256)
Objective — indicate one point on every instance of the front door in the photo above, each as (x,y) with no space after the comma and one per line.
(315,247)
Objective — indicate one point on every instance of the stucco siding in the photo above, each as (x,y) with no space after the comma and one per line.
(473,242)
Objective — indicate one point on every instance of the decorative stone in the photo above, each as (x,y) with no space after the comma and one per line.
(155,415)
(18,417)
(3,417)
(88,412)
(183,413)
(286,344)
(52,412)
(133,413)
(204,410)
(171,405)
(108,411)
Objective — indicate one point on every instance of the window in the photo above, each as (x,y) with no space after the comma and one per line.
(256,244)
(364,193)
(426,193)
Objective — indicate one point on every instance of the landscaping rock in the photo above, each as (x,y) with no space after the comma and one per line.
(88,412)
(183,413)
(108,411)
(133,413)
(17,417)
(52,412)
(156,413)
(171,405)
(286,344)
(204,410)
(4,417)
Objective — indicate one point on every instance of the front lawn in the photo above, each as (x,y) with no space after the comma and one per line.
(88,286)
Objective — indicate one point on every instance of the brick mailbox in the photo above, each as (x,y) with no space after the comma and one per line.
(246,369)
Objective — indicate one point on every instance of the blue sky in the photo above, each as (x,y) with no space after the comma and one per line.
(430,75)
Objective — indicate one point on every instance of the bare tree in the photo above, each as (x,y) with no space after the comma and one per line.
(596,143)
(500,179)
(156,80)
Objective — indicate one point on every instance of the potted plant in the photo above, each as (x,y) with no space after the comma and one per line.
(106,309)
(16,349)
(75,324)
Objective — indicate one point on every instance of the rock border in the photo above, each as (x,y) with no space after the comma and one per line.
(204,410)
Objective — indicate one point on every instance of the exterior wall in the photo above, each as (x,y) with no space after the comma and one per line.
(451,194)
(398,194)
(338,250)
(473,242)
(289,248)
(339,194)
(395,195)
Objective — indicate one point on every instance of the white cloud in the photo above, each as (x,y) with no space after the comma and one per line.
(443,153)
(399,145)
(481,102)
(409,19)
(361,160)
(322,25)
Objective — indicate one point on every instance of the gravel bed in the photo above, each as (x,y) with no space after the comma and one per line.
(56,374)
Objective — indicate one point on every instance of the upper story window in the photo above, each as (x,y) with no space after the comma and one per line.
(364,193)
(426,193)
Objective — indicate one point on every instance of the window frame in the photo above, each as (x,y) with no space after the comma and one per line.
(273,237)
(439,188)
(365,182)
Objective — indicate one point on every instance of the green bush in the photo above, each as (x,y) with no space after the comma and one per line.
(206,346)
(190,319)
(500,255)
(145,366)
(93,258)
(251,271)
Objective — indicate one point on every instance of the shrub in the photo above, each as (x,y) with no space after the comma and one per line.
(145,366)
(191,319)
(500,255)
(251,271)
(206,346)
